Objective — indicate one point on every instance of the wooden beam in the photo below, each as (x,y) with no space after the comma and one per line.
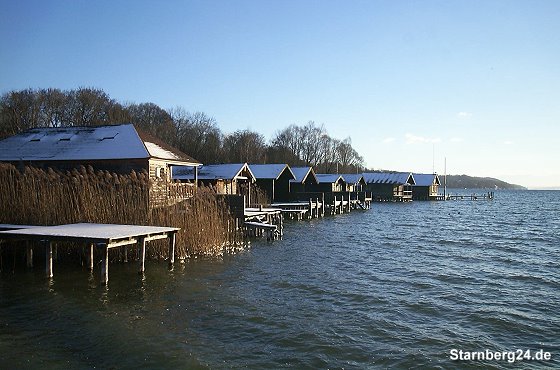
(156,237)
(120,243)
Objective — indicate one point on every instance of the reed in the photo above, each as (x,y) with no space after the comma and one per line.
(50,197)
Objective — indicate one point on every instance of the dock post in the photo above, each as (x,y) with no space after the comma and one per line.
(90,257)
(49,258)
(104,263)
(171,249)
(315,209)
(142,255)
(29,254)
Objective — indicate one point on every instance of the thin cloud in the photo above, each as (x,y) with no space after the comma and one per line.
(508,142)
(456,140)
(464,115)
(414,139)
(388,140)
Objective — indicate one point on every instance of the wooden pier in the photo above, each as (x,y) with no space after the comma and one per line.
(100,236)
(487,196)
(263,220)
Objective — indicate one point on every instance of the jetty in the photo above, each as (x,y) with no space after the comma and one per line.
(485,196)
(100,236)
(260,220)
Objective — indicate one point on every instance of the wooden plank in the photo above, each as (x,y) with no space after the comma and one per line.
(260,225)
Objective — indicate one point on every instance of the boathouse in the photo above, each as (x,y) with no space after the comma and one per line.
(115,148)
(354,182)
(330,183)
(274,180)
(305,181)
(426,186)
(229,179)
(389,186)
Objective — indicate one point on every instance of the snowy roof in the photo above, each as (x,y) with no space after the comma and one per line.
(353,178)
(426,179)
(301,174)
(325,178)
(87,143)
(270,171)
(212,172)
(397,178)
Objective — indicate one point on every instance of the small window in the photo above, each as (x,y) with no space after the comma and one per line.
(160,172)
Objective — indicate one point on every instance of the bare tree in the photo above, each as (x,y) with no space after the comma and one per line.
(19,111)
(198,135)
(244,146)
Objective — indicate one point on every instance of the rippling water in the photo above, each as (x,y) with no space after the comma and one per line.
(397,286)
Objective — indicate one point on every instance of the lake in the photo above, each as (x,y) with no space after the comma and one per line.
(400,285)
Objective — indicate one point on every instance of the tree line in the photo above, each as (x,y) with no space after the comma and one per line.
(196,134)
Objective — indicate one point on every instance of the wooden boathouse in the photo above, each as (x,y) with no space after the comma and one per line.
(305,180)
(117,149)
(389,186)
(426,186)
(274,180)
(226,179)
(354,182)
(330,183)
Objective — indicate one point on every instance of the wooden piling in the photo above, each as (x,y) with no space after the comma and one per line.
(104,263)
(142,261)
(171,249)
(29,254)
(49,258)
(90,257)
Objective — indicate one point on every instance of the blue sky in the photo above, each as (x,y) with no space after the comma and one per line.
(411,82)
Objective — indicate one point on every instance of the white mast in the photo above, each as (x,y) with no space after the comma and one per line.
(445,179)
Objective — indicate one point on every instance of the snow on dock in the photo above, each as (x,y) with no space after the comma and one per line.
(104,236)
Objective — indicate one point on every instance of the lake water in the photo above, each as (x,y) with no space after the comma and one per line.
(400,285)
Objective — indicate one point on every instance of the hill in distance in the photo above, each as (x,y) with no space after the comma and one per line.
(470,182)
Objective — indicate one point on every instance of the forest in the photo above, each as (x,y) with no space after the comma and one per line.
(197,134)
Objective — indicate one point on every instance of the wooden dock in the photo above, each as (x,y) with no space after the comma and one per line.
(100,236)
(264,220)
(487,196)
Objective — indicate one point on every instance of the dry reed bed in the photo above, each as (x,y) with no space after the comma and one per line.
(38,197)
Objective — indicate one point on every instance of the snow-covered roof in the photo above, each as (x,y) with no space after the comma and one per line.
(325,178)
(426,179)
(302,173)
(270,171)
(353,178)
(87,143)
(396,178)
(227,171)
